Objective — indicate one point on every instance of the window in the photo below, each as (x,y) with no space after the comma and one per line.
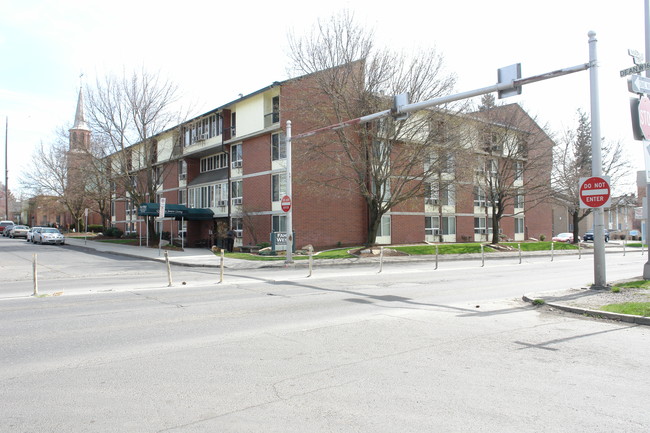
(440,195)
(519,170)
(519,200)
(479,197)
(279,223)
(214,162)
(276,109)
(182,170)
(238,225)
(221,194)
(432,225)
(182,196)
(278,148)
(384,226)
(480,226)
(519,225)
(233,124)
(236,155)
(236,192)
(201,129)
(278,186)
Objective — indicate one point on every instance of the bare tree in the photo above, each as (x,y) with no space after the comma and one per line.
(126,112)
(389,161)
(49,175)
(514,154)
(573,160)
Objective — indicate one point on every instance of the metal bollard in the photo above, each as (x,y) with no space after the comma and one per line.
(311,259)
(35,274)
(436,257)
(169,269)
(381,259)
(482,255)
(221,268)
(519,248)
(552,249)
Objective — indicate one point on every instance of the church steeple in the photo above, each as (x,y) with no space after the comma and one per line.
(80,116)
(80,132)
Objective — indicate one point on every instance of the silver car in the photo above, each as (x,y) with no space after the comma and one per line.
(19,232)
(47,235)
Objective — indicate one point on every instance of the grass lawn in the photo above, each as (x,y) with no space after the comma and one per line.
(641,284)
(542,246)
(341,253)
(120,241)
(417,250)
(634,308)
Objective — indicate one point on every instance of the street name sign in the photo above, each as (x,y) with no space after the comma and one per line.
(635,69)
(594,192)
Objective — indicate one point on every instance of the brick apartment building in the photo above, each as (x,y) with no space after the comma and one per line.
(227,168)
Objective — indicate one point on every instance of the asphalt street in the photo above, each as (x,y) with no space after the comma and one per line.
(348,350)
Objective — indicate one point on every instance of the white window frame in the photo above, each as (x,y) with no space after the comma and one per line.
(278,186)
(278,148)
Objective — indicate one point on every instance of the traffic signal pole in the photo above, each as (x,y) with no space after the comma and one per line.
(600,279)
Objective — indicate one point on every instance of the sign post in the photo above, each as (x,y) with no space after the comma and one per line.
(161,215)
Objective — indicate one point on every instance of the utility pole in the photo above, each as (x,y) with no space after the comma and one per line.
(6,169)
(646,16)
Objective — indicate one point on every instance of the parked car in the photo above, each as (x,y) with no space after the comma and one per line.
(563,237)
(4,224)
(7,230)
(589,236)
(30,234)
(47,235)
(19,232)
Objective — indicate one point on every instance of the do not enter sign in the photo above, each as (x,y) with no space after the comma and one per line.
(594,192)
(286,203)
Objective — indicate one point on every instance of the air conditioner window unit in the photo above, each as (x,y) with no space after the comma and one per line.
(222,203)
(236,164)
(239,233)
(237,200)
(182,176)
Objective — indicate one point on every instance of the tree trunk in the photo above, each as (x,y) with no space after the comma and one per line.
(495,227)
(575,219)
(374,220)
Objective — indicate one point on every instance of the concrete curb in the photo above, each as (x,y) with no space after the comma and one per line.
(627,318)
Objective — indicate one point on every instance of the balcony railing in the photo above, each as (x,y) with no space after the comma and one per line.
(271,118)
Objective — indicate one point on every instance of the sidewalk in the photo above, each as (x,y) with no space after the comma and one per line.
(203,257)
(578,301)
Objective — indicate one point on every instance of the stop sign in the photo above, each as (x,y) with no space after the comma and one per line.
(644,116)
(594,192)
(286,203)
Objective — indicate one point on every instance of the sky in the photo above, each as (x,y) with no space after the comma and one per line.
(216,50)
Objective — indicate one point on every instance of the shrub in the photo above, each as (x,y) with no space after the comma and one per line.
(96,228)
(542,237)
(264,245)
(113,232)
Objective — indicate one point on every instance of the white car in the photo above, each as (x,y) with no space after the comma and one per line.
(47,235)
